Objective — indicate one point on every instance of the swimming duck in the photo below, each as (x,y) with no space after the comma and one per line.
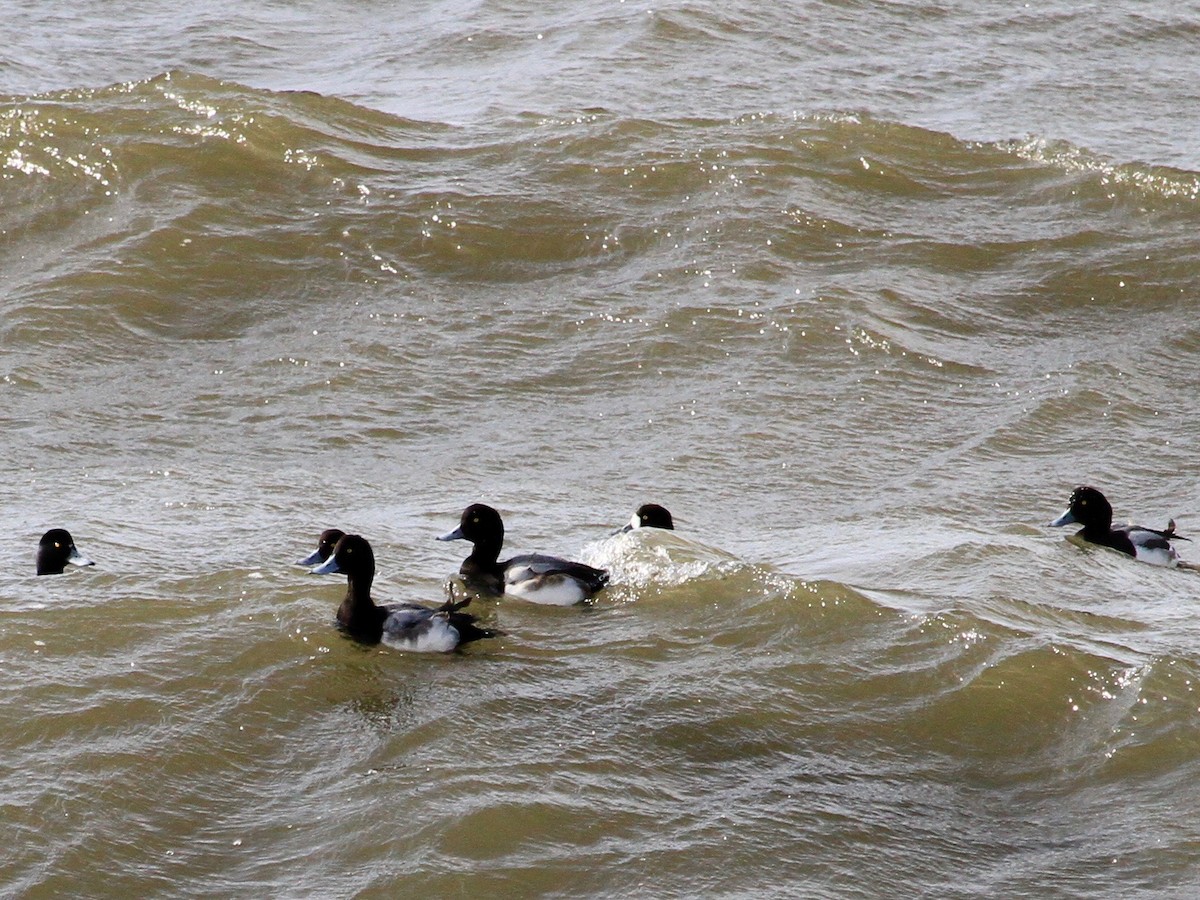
(55,550)
(325,544)
(534,577)
(1089,508)
(649,515)
(406,626)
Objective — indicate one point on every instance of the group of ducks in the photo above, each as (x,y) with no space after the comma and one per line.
(539,578)
(535,577)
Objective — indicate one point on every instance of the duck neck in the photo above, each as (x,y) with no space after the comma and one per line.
(1099,526)
(485,554)
(48,566)
(358,610)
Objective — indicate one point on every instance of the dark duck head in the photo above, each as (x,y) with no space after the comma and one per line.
(649,515)
(358,614)
(325,543)
(56,550)
(483,527)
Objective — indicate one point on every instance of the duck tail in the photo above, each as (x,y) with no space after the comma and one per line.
(453,605)
(598,579)
(469,630)
(1169,532)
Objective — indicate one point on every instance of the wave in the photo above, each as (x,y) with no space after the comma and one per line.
(183,208)
(185,157)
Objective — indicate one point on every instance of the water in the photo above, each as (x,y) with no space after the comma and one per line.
(859,291)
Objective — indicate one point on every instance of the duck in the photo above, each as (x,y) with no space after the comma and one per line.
(649,515)
(1091,509)
(326,541)
(535,577)
(55,550)
(405,626)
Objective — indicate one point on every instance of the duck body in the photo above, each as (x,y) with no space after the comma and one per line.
(56,550)
(1089,507)
(405,626)
(550,580)
(534,577)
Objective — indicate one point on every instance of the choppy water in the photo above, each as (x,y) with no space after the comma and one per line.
(858,290)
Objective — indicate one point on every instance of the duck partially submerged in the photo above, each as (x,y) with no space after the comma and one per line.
(56,550)
(649,515)
(535,577)
(406,626)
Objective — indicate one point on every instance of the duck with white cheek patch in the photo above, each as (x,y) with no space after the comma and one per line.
(649,515)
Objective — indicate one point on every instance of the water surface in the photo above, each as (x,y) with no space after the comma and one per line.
(858,290)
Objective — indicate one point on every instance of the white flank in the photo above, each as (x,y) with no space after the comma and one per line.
(439,637)
(1156,556)
(549,590)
